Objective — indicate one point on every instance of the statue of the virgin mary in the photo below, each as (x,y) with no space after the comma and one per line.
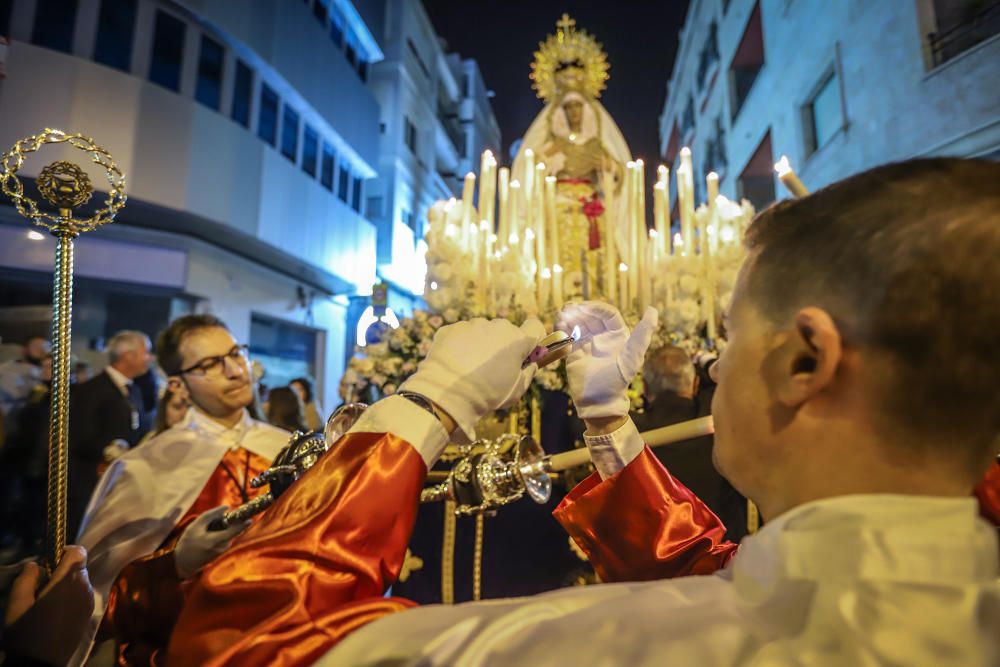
(580,144)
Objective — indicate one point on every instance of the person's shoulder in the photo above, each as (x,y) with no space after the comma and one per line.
(263,429)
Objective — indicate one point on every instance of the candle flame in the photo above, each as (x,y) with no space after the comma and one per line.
(630,165)
(450,230)
(653,234)
(712,176)
(493,238)
(35,236)
(661,171)
(678,239)
(515,183)
(639,162)
(484,225)
(546,273)
(434,284)
(513,239)
(528,152)
(529,235)
(622,267)
(727,234)
(557,268)
(488,154)
(541,166)
(782,166)
(685,152)
(470,175)
(660,185)
(576,335)
(550,179)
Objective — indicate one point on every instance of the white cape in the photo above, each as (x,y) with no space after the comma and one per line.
(858,580)
(143,495)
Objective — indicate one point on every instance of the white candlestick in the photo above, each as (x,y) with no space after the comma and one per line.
(504,210)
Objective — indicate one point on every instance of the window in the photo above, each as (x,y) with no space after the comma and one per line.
(709,54)
(208,89)
(747,62)
(416,55)
(319,11)
(715,149)
(310,147)
(410,134)
(5,8)
(326,170)
(756,181)
(961,24)
(54,21)
(356,195)
(823,116)
(168,51)
(115,25)
(267,119)
(363,69)
(343,182)
(290,133)
(242,90)
(406,217)
(336,31)
(687,121)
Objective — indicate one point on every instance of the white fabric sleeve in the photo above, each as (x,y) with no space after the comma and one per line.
(613,451)
(407,420)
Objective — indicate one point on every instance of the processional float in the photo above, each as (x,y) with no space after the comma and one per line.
(67,187)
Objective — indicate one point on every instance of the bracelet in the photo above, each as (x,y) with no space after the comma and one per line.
(420,401)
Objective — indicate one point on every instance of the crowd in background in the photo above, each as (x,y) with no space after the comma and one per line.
(112,409)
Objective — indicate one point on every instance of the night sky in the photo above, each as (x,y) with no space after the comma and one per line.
(640,39)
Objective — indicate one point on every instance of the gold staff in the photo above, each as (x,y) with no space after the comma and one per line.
(65,186)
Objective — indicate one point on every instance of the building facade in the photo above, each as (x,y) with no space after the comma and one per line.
(247,132)
(436,119)
(838,87)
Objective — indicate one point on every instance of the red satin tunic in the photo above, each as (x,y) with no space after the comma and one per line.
(147,597)
(314,568)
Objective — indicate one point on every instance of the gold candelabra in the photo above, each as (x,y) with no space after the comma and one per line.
(67,187)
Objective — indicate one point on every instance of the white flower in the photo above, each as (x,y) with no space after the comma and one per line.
(423,347)
(408,367)
(450,315)
(389,389)
(435,321)
(688,285)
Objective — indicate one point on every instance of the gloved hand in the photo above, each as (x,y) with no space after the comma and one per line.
(115,450)
(606,359)
(198,546)
(474,368)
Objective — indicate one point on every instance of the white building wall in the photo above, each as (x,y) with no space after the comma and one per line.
(896,106)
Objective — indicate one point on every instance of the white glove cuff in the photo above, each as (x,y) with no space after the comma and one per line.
(617,407)
(610,453)
(451,401)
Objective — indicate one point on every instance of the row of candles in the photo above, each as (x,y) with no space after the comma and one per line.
(524,214)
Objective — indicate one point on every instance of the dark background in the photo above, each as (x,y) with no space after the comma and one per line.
(640,39)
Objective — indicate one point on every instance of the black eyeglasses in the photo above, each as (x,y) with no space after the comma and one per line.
(215,365)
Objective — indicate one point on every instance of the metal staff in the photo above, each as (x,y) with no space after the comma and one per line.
(66,187)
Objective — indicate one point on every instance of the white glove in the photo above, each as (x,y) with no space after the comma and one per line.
(198,546)
(114,450)
(602,365)
(474,368)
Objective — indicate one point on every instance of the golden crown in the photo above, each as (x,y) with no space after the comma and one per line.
(569,60)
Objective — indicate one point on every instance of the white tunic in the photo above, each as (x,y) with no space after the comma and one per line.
(856,580)
(146,491)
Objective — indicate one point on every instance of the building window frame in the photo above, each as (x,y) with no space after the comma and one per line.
(410,134)
(290,122)
(54,34)
(166,60)
(115,33)
(328,166)
(831,75)
(242,107)
(267,110)
(208,84)
(343,183)
(740,88)
(310,150)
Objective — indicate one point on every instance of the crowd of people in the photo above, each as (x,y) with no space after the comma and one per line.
(118,409)
(854,406)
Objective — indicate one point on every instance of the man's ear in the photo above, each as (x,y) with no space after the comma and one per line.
(806,363)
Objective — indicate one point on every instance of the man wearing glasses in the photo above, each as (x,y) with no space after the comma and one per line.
(146,527)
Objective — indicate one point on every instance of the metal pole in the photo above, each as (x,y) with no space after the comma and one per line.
(62,320)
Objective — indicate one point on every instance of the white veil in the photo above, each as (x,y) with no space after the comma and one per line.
(596,121)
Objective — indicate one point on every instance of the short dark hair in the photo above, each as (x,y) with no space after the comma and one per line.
(307,388)
(906,259)
(168,343)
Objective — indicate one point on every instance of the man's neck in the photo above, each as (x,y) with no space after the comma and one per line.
(122,371)
(229,420)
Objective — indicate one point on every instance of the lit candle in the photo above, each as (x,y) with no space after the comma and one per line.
(504,210)
(557,285)
(468,191)
(623,287)
(550,215)
(789,178)
(633,242)
(528,187)
(660,219)
(514,217)
(641,236)
(663,223)
(586,274)
(685,200)
(487,186)
(539,209)
(544,287)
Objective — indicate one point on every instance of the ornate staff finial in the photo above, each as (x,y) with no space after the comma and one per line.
(66,186)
